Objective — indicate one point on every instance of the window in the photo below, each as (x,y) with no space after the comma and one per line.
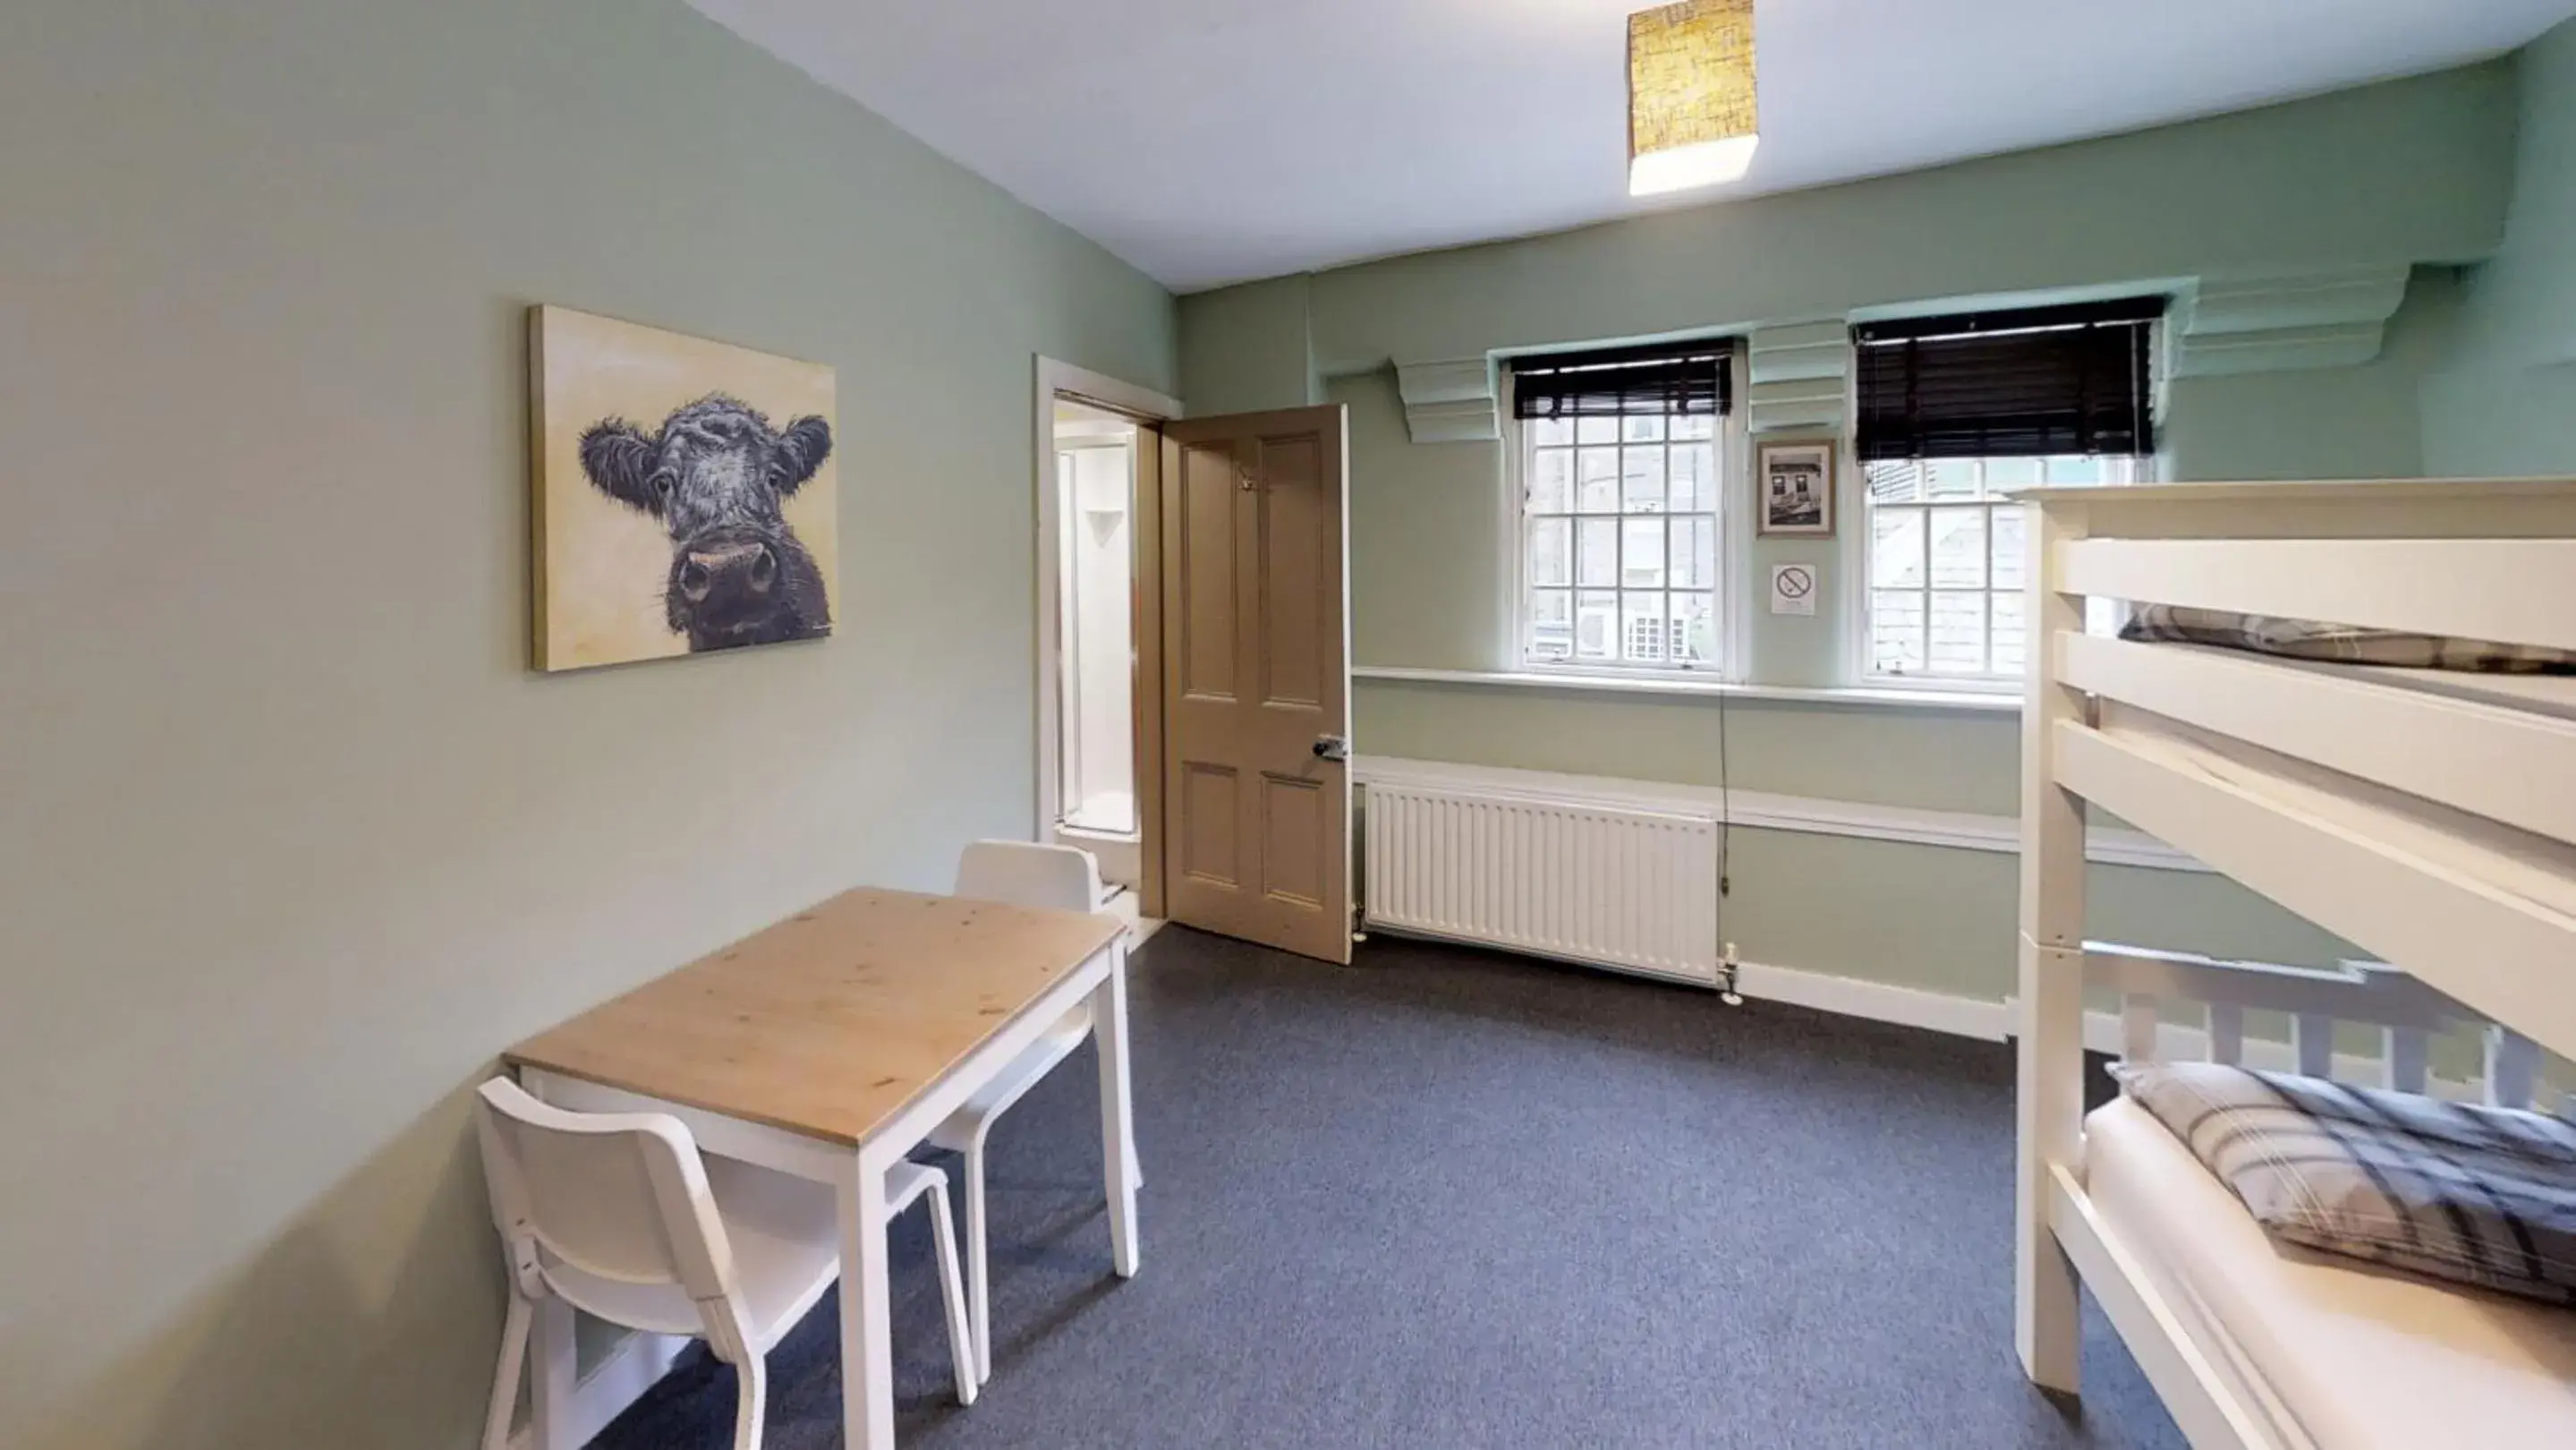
(1955,412)
(1621,509)
(1945,563)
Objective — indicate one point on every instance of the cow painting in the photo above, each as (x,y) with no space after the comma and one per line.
(685,494)
(717,476)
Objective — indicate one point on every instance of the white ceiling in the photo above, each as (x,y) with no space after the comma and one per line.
(1211,141)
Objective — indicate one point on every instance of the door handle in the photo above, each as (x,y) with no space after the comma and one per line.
(1332,747)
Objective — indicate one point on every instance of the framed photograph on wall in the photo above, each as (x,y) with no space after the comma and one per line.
(1796,481)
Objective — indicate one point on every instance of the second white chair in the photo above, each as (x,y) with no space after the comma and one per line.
(1059,878)
(619,1216)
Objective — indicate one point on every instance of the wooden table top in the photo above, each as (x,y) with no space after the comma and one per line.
(830,1022)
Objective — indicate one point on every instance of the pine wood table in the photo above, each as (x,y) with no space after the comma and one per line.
(829,1046)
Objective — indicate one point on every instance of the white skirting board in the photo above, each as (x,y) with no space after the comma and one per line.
(1976,1017)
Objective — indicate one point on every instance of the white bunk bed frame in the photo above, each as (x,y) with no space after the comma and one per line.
(2426,818)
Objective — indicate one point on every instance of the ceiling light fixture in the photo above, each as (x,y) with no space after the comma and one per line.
(1693,114)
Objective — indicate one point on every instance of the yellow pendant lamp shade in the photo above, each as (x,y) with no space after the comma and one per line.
(1692,111)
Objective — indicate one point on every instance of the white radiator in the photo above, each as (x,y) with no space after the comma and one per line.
(1607,885)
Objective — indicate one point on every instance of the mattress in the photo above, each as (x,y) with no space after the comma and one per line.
(2337,1355)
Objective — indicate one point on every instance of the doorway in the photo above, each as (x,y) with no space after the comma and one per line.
(1099,685)
(1096,558)
(1193,690)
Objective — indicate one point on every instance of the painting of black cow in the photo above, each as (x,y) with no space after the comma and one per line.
(685,493)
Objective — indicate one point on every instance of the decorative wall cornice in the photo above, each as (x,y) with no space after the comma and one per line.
(1800,377)
(1453,401)
(2228,326)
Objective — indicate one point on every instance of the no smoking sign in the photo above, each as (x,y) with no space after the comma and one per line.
(1793,589)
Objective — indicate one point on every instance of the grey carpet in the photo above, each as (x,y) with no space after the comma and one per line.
(1451,1198)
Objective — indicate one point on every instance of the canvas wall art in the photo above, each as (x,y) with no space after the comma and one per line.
(685,493)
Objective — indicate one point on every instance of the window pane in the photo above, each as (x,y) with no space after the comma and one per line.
(2009,644)
(1896,631)
(1695,627)
(1950,478)
(1551,551)
(2004,473)
(1897,482)
(1645,632)
(1694,553)
(1958,633)
(2075,470)
(1598,554)
(1621,540)
(2011,546)
(1896,548)
(1551,483)
(1551,624)
(1598,490)
(1642,475)
(1596,626)
(1642,565)
(1694,483)
(1959,548)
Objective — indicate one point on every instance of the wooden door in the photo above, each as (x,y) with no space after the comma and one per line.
(1256,679)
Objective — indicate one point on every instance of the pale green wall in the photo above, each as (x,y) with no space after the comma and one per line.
(291,841)
(1427,565)
(2411,171)
(2350,422)
(1941,920)
(2505,403)
(1935,760)
(2415,172)
(1246,348)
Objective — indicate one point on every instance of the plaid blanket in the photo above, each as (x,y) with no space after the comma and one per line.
(2475,1195)
(2307,639)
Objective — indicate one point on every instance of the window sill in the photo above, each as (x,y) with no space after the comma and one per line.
(1864,697)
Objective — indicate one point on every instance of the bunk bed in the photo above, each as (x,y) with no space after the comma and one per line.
(2426,816)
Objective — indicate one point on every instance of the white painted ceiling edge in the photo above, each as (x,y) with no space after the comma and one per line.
(1216,141)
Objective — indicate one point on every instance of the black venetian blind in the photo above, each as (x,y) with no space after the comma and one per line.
(1614,382)
(2027,384)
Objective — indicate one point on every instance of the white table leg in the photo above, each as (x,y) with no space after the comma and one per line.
(1117,1111)
(867,1339)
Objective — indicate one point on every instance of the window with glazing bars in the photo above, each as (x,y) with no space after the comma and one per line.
(1946,566)
(1621,510)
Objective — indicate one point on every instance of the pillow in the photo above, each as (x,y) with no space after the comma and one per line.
(2475,1195)
(2308,639)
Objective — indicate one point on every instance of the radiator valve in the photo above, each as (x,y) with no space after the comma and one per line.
(1726,979)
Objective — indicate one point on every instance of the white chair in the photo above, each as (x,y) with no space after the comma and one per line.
(617,1215)
(1061,878)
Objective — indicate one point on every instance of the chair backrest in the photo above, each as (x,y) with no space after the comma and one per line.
(618,1195)
(1064,878)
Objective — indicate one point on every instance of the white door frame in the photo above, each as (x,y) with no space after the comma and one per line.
(1060,379)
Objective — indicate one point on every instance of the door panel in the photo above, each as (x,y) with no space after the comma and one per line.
(1255,616)
(1293,540)
(1209,836)
(1206,609)
(1294,859)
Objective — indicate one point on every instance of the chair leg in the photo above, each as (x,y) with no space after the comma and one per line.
(961,1339)
(505,1378)
(979,1271)
(751,1401)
